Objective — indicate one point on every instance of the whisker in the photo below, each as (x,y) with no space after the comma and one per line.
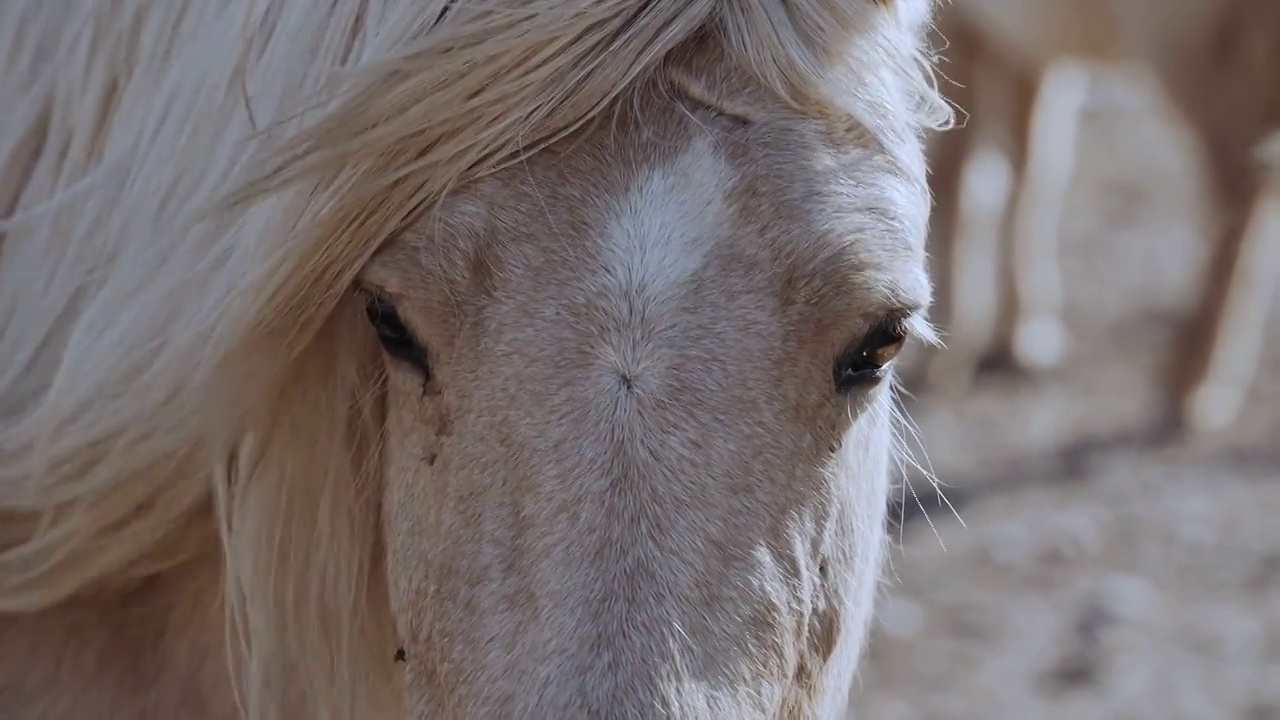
(927,470)
(905,460)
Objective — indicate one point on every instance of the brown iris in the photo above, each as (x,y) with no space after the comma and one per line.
(866,362)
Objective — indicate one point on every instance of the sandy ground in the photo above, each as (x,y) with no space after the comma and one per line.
(1099,575)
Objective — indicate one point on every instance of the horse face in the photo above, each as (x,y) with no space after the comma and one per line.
(638,438)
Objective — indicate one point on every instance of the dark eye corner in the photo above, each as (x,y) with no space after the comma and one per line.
(395,337)
(868,360)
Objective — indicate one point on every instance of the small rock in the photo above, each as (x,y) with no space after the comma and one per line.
(1128,597)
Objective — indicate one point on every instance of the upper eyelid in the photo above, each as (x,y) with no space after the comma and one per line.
(367,291)
(372,290)
(690,90)
(906,320)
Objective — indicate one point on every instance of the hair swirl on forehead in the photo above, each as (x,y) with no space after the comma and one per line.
(187,188)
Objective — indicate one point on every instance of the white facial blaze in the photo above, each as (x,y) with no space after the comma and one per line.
(664,226)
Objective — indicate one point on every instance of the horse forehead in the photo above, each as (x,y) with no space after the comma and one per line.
(662,227)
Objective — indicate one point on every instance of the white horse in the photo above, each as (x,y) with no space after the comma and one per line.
(1023,70)
(481,358)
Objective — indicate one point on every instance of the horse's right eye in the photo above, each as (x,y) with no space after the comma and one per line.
(395,337)
(866,362)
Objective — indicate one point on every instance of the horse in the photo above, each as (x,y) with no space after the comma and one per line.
(1023,70)
(452,359)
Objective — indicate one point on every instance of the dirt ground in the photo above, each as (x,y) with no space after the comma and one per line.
(1097,575)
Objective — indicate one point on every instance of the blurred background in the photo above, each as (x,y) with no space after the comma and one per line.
(1119,554)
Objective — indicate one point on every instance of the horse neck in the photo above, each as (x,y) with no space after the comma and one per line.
(156,650)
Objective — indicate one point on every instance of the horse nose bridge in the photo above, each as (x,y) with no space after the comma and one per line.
(600,364)
(668,349)
(668,375)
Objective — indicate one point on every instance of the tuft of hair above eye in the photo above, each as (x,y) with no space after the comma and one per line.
(867,361)
(396,338)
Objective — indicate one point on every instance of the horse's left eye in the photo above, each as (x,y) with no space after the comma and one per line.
(866,362)
(395,337)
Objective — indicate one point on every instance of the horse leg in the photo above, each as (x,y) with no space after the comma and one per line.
(1038,337)
(1230,97)
(977,185)
(1238,298)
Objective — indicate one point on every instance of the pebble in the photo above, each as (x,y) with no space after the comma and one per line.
(1125,596)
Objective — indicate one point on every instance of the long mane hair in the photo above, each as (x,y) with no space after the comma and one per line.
(187,190)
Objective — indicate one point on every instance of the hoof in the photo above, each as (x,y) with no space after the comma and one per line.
(1040,343)
(1211,407)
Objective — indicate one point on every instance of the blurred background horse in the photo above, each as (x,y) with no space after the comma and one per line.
(1023,72)
(1105,247)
